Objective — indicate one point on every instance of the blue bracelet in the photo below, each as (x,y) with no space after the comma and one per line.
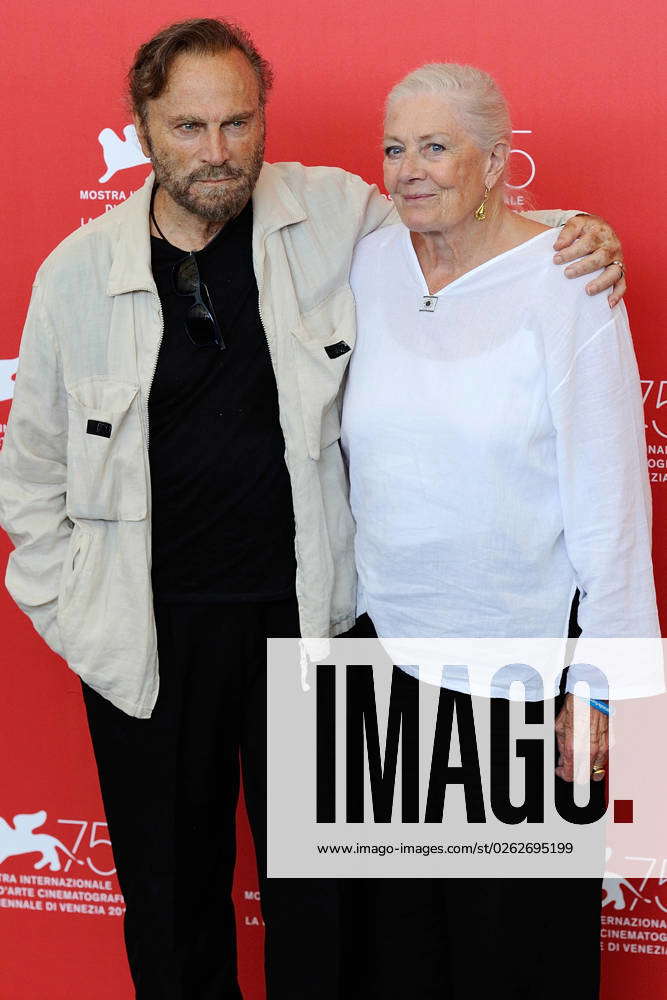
(601,706)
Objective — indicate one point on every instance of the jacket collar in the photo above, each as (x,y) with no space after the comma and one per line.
(273,203)
(274,207)
(131,262)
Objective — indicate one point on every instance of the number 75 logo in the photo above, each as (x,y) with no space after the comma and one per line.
(659,398)
(92,841)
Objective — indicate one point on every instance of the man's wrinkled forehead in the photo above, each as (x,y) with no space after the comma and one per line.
(196,82)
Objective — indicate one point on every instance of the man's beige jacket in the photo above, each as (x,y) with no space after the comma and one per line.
(77,505)
(75,493)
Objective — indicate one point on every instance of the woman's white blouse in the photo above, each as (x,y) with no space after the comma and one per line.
(496,451)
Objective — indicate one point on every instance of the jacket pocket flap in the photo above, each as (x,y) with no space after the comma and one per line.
(102,395)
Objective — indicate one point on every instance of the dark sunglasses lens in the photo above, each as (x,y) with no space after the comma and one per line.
(200,326)
(186,276)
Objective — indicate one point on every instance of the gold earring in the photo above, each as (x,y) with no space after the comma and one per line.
(480,214)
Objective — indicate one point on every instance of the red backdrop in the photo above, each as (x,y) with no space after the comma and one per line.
(585,82)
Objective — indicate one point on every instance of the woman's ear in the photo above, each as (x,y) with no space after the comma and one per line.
(498,158)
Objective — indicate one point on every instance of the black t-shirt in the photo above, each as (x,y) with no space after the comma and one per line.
(223,523)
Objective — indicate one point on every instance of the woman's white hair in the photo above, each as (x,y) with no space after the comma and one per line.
(475,96)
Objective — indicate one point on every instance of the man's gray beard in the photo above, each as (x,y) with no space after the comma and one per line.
(222,203)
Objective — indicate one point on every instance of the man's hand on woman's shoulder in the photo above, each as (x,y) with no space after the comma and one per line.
(591,239)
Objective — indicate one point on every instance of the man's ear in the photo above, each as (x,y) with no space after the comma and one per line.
(140,127)
(498,158)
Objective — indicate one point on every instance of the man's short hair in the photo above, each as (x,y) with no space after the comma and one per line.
(201,36)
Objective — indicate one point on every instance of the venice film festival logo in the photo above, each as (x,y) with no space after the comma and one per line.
(34,864)
(8,368)
(7,375)
(118,154)
(522,171)
(23,837)
(655,397)
(622,930)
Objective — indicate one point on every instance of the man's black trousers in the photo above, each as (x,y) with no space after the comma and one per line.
(170,786)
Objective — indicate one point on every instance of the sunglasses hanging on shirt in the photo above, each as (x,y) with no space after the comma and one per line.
(201,324)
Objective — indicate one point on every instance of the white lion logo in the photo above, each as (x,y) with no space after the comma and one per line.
(613,887)
(7,373)
(614,894)
(120,154)
(21,839)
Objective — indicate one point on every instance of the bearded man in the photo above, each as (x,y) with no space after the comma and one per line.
(213,310)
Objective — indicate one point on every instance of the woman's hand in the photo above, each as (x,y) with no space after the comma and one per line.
(568,769)
(593,239)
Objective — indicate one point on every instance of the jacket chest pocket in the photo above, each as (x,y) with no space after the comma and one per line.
(106,465)
(324,341)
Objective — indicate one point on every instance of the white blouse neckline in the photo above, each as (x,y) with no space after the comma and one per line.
(417,272)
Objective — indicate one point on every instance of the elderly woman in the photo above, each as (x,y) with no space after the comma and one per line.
(493,427)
